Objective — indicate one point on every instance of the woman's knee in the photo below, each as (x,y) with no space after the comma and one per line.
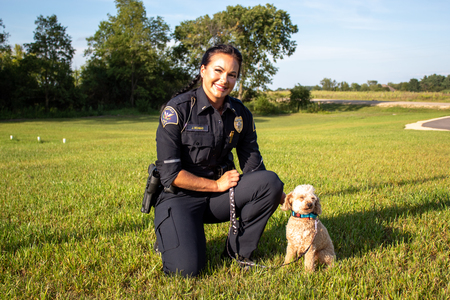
(183,266)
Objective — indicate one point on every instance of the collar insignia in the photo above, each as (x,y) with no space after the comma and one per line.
(169,116)
(238,124)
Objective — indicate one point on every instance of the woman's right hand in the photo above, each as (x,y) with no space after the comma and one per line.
(228,180)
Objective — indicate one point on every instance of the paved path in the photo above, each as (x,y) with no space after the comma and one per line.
(440,124)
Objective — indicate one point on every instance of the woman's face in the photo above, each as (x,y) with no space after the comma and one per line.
(219,76)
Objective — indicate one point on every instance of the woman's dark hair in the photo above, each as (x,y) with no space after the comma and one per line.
(206,59)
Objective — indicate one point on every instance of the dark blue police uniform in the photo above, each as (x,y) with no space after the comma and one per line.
(194,136)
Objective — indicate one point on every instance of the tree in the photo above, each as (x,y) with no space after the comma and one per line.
(355,87)
(413,85)
(300,97)
(51,56)
(261,33)
(328,84)
(344,86)
(129,44)
(364,87)
(3,39)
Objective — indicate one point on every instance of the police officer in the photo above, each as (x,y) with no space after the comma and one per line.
(197,131)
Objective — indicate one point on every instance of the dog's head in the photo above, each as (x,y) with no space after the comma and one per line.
(302,200)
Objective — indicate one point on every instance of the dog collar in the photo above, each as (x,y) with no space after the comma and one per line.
(308,216)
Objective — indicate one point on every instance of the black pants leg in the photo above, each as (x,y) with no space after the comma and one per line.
(179,221)
(257,196)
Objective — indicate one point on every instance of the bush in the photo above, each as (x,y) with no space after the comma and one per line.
(262,105)
(314,107)
(300,97)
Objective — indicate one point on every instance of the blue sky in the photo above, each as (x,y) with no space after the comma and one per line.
(346,40)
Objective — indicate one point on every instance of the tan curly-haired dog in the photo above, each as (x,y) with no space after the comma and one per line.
(303,225)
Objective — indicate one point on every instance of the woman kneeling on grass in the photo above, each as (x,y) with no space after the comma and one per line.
(197,131)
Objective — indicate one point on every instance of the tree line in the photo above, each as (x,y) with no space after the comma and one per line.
(133,60)
(432,83)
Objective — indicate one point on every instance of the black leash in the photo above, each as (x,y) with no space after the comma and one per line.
(233,230)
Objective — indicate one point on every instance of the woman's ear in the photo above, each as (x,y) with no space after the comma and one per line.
(202,70)
(317,207)
(287,205)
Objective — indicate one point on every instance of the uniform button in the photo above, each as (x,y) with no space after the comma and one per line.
(220,122)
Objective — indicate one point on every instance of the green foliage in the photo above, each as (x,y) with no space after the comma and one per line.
(4,47)
(130,54)
(49,58)
(328,84)
(261,33)
(300,97)
(263,106)
(356,87)
(344,86)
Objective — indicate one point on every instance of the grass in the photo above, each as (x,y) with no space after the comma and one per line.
(384,96)
(71,226)
(380,96)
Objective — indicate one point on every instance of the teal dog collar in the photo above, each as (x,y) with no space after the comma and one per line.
(308,216)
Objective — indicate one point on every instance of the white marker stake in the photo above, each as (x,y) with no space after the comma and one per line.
(64,141)
(39,139)
(11,137)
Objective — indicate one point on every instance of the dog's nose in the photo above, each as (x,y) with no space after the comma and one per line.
(309,205)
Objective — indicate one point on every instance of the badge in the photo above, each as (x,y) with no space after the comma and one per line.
(238,124)
(169,116)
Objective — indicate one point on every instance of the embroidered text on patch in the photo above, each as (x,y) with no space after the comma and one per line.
(169,116)
(195,127)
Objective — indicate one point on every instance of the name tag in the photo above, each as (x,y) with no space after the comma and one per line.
(195,127)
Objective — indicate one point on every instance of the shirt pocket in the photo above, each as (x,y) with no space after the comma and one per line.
(198,147)
(231,141)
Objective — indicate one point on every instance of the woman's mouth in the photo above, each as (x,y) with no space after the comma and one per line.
(220,88)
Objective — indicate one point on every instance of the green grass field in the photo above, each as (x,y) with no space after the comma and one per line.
(71,227)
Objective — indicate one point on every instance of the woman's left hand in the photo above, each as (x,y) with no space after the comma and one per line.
(283,197)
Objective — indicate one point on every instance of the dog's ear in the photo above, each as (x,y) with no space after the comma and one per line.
(287,205)
(317,207)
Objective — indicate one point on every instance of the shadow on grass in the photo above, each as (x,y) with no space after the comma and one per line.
(106,119)
(355,233)
(342,107)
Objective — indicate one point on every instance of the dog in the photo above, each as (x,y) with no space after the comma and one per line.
(304,232)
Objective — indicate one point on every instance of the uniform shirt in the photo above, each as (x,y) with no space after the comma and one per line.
(193,136)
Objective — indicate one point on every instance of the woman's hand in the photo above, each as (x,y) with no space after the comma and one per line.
(227,181)
(283,197)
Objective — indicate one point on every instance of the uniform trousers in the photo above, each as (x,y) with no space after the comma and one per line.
(179,221)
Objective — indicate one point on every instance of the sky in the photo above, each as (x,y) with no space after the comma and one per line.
(345,40)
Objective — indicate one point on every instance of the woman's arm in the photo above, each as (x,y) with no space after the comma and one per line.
(189,181)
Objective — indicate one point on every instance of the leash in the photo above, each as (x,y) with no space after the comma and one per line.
(233,230)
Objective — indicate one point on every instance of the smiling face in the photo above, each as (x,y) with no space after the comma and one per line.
(219,77)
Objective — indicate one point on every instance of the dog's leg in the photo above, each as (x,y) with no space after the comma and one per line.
(327,256)
(290,254)
(310,259)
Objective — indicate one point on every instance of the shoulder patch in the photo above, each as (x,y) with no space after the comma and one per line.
(169,116)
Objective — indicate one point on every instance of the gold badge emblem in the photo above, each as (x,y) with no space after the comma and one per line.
(238,124)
